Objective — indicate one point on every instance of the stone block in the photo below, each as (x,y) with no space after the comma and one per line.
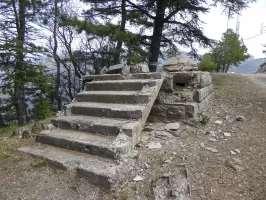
(168,83)
(104,70)
(194,79)
(119,69)
(139,68)
(180,63)
(166,113)
(186,79)
(174,97)
(204,105)
(192,110)
(202,93)
(205,79)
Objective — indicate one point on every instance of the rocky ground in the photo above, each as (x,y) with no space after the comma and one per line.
(222,158)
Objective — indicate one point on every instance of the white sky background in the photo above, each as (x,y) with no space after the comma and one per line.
(250,25)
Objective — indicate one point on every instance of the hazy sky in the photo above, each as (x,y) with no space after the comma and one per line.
(250,25)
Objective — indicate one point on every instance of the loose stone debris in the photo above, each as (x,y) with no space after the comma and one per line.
(218,122)
(154,145)
(226,134)
(138,178)
(172,126)
(240,118)
(212,149)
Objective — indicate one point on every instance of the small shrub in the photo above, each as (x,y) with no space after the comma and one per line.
(204,119)
(39,163)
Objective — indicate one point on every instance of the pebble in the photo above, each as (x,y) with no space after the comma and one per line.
(154,145)
(212,139)
(226,134)
(138,178)
(237,168)
(210,133)
(233,153)
(212,149)
(240,118)
(237,150)
(218,122)
(146,166)
(172,126)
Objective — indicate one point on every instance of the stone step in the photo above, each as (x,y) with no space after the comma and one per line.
(78,141)
(126,111)
(123,97)
(119,85)
(99,125)
(99,171)
(122,77)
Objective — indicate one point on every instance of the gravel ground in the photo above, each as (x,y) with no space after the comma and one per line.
(223,159)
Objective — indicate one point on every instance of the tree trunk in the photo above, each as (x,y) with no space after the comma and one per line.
(19,67)
(56,59)
(157,35)
(118,48)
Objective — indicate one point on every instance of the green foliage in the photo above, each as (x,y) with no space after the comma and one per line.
(206,64)
(229,51)
(43,109)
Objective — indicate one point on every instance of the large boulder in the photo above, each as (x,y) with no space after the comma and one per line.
(262,69)
(180,63)
(119,69)
(139,68)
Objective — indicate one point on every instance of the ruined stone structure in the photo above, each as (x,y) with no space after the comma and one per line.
(185,93)
(104,123)
(184,96)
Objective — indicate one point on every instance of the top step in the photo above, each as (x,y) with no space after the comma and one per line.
(105,77)
(120,85)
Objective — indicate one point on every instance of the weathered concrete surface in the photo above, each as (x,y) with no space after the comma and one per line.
(175,97)
(103,71)
(139,68)
(119,69)
(174,112)
(98,171)
(202,93)
(123,97)
(78,141)
(104,121)
(88,78)
(180,63)
(119,85)
(104,126)
(127,111)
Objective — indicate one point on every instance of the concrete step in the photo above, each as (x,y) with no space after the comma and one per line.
(123,97)
(89,78)
(126,111)
(78,141)
(99,125)
(119,85)
(97,170)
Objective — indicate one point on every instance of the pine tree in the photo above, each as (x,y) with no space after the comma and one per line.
(176,23)
(19,53)
(229,51)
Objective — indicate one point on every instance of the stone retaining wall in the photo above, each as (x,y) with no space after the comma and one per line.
(184,96)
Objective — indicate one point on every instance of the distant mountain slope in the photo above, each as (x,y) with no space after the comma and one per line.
(248,67)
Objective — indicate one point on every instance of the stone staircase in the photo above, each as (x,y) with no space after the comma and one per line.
(101,127)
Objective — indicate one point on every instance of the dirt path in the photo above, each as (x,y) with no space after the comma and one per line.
(238,169)
(259,79)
